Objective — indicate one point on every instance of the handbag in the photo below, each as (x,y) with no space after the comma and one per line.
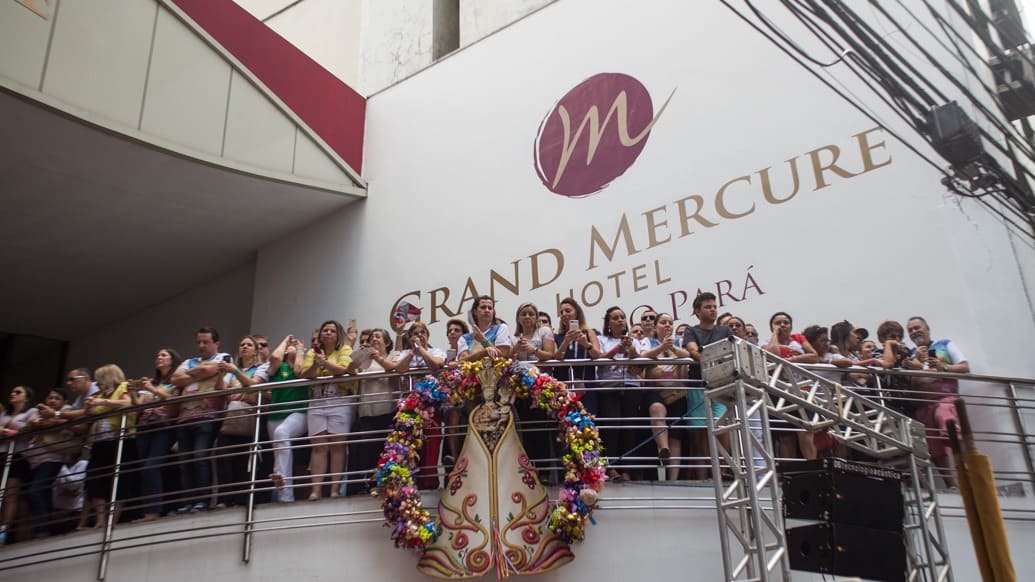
(240,419)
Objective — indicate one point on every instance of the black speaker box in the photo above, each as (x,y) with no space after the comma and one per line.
(843,492)
(953,134)
(845,550)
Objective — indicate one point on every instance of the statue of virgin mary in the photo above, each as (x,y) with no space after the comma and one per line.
(494,510)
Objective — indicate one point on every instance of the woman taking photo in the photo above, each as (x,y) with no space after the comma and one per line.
(667,396)
(155,434)
(420,355)
(376,400)
(576,341)
(619,397)
(286,414)
(238,429)
(330,412)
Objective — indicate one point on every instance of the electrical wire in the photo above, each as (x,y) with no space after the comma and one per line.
(1024,230)
(873,41)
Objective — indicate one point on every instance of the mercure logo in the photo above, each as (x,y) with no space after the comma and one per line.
(594,134)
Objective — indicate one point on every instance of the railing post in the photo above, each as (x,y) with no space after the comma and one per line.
(1022,432)
(253,466)
(109,524)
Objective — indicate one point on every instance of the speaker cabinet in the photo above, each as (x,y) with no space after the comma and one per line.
(844,497)
(846,550)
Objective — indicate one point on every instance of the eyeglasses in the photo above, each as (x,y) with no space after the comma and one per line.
(648,318)
(263,344)
(752,334)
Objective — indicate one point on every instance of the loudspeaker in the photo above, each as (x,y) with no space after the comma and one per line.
(843,492)
(953,134)
(846,550)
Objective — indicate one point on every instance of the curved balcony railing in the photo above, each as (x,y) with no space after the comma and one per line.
(1013,397)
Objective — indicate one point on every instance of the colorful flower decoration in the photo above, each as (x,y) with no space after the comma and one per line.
(585,468)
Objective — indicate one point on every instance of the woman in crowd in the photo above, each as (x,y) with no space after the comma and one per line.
(893,354)
(420,355)
(818,337)
(286,414)
(155,434)
(489,337)
(615,401)
(238,429)
(377,398)
(20,414)
(104,434)
(751,333)
(45,455)
(845,340)
(331,409)
(455,329)
(576,341)
(737,326)
(794,348)
(667,396)
(533,343)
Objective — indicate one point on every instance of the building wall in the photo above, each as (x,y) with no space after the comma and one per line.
(224,303)
(329,31)
(456,207)
(655,532)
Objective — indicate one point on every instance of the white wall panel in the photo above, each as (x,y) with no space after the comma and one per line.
(396,42)
(311,161)
(99,55)
(479,18)
(334,43)
(187,89)
(23,43)
(257,132)
(225,303)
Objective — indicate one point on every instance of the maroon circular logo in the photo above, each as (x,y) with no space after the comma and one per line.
(594,134)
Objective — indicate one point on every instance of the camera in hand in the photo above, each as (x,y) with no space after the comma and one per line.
(228,359)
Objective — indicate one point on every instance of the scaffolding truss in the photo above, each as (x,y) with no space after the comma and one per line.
(754,386)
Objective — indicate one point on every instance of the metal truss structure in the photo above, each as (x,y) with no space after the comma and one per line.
(755,386)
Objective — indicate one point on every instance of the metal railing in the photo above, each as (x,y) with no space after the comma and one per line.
(1014,396)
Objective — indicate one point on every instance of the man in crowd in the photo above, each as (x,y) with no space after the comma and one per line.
(938,404)
(80,387)
(197,421)
(694,340)
(262,343)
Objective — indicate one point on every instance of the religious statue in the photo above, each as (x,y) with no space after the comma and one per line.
(494,509)
(494,512)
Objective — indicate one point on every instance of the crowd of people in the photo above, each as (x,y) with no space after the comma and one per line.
(324,439)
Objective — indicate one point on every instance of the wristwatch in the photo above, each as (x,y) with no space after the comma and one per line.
(57,414)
